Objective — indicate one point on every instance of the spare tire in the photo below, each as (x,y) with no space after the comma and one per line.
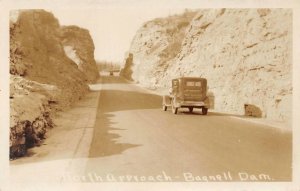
(204,110)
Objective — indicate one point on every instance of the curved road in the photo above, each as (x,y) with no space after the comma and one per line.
(134,140)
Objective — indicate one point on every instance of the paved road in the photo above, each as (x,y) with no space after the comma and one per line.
(134,140)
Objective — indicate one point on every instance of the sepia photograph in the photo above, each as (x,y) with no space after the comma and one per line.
(107,94)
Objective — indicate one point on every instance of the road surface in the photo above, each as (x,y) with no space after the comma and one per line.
(135,140)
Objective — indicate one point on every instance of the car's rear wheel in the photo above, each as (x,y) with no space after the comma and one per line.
(204,111)
(191,109)
(174,109)
(165,108)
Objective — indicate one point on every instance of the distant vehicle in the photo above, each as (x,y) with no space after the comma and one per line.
(111,73)
(187,92)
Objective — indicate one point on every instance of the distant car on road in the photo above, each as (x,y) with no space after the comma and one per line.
(111,73)
(187,92)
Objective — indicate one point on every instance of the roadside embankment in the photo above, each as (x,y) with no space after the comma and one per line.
(43,79)
(246,55)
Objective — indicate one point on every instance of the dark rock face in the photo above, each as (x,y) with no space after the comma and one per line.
(43,78)
(78,45)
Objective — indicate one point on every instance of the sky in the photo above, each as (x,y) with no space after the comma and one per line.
(113,23)
(112,29)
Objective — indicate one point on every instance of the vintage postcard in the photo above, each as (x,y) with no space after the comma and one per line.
(149,95)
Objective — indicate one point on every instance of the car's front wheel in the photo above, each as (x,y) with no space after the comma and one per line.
(174,109)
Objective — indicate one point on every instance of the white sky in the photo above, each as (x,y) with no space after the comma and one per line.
(113,23)
(112,29)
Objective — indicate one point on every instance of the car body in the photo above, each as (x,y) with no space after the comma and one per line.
(187,92)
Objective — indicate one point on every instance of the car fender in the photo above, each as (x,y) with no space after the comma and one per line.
(166,100)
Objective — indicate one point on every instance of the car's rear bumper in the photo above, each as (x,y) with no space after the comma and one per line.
(192,104)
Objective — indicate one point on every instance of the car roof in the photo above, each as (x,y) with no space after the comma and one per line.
(190,78)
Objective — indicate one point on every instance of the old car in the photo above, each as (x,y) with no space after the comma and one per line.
(187,92)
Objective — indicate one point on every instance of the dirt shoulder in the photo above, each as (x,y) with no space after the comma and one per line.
(66,147)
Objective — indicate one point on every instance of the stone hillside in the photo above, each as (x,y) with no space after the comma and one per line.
(79,47)
(154,44)
(43,78)
(246,55)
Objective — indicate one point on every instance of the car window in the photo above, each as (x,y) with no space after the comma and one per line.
(192,84)
(198,84)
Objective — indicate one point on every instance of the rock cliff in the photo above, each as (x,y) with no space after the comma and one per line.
(43,78)
(79,47)
(246,55)
(154,44)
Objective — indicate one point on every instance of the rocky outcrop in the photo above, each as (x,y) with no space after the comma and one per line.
(43,78)
(126,71)
(79,47)
(154,44)
(246,55)
(29,113)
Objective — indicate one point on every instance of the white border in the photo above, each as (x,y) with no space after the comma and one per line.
(77,4)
